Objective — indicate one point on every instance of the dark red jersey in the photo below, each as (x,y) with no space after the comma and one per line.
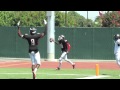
(65,45)
(68,46)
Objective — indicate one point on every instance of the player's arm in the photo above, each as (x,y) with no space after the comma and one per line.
(52,40)
(19,32)
(45,31)
(68,47)
(56,42)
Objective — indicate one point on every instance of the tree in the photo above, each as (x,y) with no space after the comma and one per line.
(59,19)
(98,22)
(110,19)
(76,20)
(35,18)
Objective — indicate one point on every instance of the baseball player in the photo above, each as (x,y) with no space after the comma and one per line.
(33,51)
(65,49)
(117,48)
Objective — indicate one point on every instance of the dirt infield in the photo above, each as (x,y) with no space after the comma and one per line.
(49,64)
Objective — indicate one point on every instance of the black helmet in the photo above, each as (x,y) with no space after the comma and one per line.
(116,37)
(32,30)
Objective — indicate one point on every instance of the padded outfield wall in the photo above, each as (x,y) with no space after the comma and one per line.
(86,43)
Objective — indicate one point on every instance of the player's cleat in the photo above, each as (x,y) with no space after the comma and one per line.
(73,66)
(57,68)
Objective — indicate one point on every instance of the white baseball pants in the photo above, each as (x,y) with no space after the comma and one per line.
(35,58)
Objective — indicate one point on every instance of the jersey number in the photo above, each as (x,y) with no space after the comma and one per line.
(32,41)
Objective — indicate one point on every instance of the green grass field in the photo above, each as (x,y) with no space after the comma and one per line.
(25,73)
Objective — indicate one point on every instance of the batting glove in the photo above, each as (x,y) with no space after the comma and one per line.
(45,22)
(18,24)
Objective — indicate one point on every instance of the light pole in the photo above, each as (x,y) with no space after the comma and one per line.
(51,34)
(87,18)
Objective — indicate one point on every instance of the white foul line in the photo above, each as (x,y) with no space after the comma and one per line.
(94,77)
(43,73)
(90,77)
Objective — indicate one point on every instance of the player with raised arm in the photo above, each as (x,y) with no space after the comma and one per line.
(65,49)
(33,51)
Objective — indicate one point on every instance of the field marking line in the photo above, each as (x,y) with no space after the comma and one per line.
(45,74)
(94,77)
(88,77)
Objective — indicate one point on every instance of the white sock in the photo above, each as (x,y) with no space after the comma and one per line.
(35,70)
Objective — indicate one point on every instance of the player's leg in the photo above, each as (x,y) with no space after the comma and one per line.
(37,61)
(69,61)
(60,60)
(117,57)
(33,64)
